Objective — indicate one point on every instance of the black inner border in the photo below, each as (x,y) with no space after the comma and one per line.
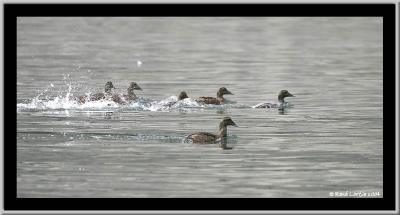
(11,11)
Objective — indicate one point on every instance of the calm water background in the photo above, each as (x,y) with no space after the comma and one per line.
(330,140)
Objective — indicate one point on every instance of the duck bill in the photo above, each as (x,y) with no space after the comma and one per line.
(234,124)
(290,95)
(138,88)
(229,92)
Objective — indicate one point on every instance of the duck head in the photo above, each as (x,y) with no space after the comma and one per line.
(133,86)
(227,121)
(223,91)
(283,94)
(108,87)
(182,95)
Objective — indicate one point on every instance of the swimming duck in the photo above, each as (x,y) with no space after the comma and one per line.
(211,100)
(282,95)
(209,138)
(131,95)
(181,96)
(98,96)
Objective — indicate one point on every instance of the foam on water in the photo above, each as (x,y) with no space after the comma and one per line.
(172,103)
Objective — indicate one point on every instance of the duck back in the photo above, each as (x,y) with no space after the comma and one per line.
(208,100)
(202,138)
(97,96)
(266,105)
(117,99)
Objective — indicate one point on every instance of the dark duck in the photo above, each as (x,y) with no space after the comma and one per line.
(182,95)
(220,97)
(210,138)
(98,96)
(282,95)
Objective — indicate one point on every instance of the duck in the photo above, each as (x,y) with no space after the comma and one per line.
(98,96)
(220,97)
(210,138)
(281,96)
(182,95)
(131,95)
(126,98)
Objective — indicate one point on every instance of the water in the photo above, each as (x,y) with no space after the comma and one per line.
(329,140)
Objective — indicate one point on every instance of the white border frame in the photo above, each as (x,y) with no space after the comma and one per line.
(2,211)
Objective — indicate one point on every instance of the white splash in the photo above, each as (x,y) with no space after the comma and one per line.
(172,103)
(66,100)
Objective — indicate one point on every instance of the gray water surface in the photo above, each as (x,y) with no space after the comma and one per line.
(329,140)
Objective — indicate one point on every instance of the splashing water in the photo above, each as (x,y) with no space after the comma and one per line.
(172,103)
(66,100)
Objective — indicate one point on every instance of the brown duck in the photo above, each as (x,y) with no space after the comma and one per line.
(220,97)
(98,96)
(209,138)
(131,95)
(126,98)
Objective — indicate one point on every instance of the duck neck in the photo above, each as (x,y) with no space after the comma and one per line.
(220,96)
(281,99)
(107,90)
(131,94)
(222,133)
